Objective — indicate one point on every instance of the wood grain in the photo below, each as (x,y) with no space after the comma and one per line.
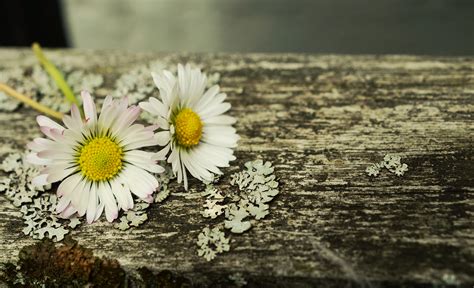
(321,120)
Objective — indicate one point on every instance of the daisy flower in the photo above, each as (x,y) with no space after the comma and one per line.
(97,160)
(196,135)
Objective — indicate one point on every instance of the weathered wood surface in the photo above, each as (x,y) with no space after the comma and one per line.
(321,120)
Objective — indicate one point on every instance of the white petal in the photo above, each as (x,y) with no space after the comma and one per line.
(165,81)
(56,155)
(106,196)
(207,98)
(57,174)
(120,194)
(92,203)
(220,120)
(161,155)
(34,159)
(78,193)
(125,120)
(141,183)
(163,137)
(195,170)
(98,212)
(68,185)
(85,194)
(143,160)
(214,110)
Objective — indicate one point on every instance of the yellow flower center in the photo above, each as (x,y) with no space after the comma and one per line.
(188,127)
(100,159)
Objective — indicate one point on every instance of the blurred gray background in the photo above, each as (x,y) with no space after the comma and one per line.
(430,27)
(435,27)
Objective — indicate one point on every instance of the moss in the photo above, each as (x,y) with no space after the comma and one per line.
(67,265)
(45,264)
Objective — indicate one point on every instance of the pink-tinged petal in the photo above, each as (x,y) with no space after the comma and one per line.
(107,102)
(45,121)
(68,212)
(76,114)
(40,180)
(47,131)
(127,119)
(63,203)
(90,111)
(149,199)
(39,144)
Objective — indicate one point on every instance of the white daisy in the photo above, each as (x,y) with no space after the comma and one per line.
(196,132)
(97,160)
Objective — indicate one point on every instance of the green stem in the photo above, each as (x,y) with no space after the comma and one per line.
(55,74)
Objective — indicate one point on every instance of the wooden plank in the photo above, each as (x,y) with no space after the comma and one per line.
(321,120)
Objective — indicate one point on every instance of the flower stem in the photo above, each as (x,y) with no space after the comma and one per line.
(55,74)
(28,101)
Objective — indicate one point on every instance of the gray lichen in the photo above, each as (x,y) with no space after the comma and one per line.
(257,186)
(10,77)
(17,184)
(41,219)
(212,242)
(133,217)
(164,180)
(36,204)
(391,162)
(238,279)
